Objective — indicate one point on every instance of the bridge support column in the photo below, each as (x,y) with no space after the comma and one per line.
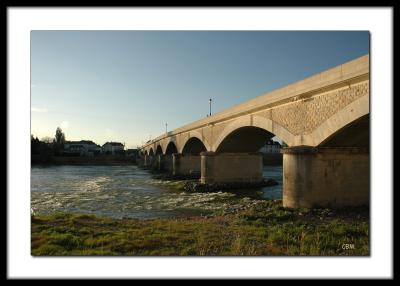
(159,163)
(168,163)
(147,161)
(231,167)
(162,163)
(143,161)
(152,160)
(325,177)
(186,165)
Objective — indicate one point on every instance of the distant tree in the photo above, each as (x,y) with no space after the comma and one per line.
(47,140)
(35,145)
(60,136)
(41,149)
(59,141)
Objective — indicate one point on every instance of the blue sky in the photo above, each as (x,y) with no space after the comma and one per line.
(125,85)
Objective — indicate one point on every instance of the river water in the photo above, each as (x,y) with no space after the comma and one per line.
(127,191)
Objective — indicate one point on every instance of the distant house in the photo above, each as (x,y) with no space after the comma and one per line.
(271,146)
(113,148)
(81,148)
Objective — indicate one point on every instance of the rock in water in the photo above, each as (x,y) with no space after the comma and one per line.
(215,187)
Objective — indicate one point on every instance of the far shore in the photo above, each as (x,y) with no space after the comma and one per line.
(84,160)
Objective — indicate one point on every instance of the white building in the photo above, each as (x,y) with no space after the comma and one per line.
(81,148)
(271,146)
(112,148)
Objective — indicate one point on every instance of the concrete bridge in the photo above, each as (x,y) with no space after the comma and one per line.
(324,120)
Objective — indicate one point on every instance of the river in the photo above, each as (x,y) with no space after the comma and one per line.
(127,191)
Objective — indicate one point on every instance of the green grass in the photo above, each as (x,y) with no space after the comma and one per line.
(265,229)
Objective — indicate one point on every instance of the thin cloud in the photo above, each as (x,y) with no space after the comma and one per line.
(36,109)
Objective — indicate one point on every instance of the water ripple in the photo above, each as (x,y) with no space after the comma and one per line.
(126,191)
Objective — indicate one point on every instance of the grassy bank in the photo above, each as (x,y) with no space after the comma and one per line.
(263,229)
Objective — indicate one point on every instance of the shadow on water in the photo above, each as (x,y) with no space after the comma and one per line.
(270,192)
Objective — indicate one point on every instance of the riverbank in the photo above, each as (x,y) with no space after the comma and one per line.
(261,228)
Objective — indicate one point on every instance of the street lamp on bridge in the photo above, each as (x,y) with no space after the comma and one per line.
(210,106)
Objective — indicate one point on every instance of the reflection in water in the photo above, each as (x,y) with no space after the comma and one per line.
(126,191)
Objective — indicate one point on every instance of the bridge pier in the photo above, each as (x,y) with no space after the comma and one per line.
(163,163)
(167,163)
(146,161)
(158,163)
(231,167)
(185,165)
(325,177)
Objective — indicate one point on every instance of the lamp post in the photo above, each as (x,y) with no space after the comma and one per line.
(166,127)
(210,106)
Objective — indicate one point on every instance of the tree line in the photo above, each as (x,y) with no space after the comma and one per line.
(48,146)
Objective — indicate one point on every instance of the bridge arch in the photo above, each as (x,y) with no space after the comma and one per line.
(244,139)
(171,148)
(193,146)
(151,152)
(348,122)
(159,150)
(193,142)
(145,152)
(255,126)
(354,134)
